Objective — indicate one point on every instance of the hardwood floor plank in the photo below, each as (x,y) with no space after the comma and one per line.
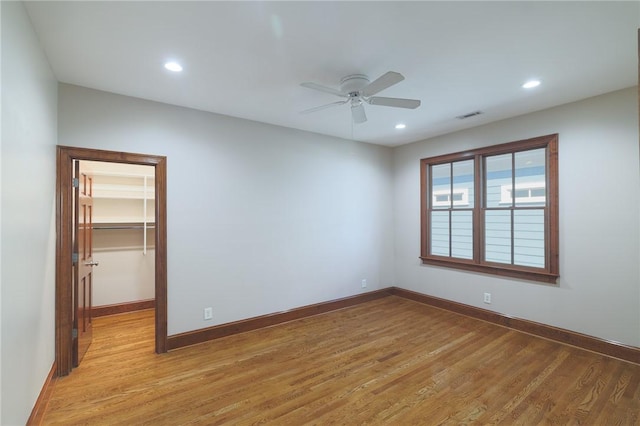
(387,361)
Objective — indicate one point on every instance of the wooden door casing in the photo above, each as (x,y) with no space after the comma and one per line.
(65,157)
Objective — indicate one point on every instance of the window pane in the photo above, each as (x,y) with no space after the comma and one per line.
(528,239)
(463,184)
(462,234)
(440,233)
(499,180)
(537,192)
(530,177)
(497,236)
(441,186)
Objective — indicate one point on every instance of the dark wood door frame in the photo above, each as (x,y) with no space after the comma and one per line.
(64,244)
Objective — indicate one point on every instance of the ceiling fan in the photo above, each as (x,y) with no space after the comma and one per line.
(357,90)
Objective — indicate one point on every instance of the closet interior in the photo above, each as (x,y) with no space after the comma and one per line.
(123,235)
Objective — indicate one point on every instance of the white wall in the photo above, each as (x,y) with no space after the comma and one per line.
(598,292)
(126,273)
(0,223)
(261,218)
(29,136)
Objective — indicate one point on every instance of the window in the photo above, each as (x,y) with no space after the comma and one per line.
(493,209)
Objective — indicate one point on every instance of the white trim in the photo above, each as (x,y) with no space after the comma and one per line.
(456,191)
(505,193)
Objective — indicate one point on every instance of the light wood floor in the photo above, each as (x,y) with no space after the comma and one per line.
(389,361)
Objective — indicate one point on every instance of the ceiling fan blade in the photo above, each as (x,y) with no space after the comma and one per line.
(321,107)
(394,102)
(325,89)
(384,81)
(358,114)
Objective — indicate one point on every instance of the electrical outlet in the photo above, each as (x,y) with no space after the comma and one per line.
(487,298)
(364,283)
(208,313)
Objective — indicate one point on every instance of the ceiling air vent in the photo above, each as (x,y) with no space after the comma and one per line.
(471,114)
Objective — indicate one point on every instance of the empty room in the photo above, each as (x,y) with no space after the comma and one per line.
(320,213)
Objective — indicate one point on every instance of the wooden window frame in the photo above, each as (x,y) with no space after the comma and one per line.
(551,271)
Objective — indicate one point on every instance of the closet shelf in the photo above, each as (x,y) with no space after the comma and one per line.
(125,187)
(114,196)
(112,218)
(123,225)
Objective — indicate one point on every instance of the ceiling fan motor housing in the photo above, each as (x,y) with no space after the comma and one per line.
(353,83)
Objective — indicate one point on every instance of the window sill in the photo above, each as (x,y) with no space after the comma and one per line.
(524,274)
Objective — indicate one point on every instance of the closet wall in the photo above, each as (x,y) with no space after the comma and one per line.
(123,236)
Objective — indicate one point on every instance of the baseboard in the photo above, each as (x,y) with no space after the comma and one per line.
(199,336)
(37,414)
(121,308)
(561,335)
(583,341)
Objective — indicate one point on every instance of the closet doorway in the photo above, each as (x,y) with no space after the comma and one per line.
(128,235)
(123,239)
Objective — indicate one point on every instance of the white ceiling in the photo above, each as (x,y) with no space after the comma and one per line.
(247,59)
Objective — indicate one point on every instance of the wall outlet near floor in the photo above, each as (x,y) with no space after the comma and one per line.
(487,298)
(208,313)
(364,283)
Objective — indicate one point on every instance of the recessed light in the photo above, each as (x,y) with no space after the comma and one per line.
(173,66)
(400,126)
(531,84)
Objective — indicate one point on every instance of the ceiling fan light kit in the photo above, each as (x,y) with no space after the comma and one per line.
(357,89)
(358,114)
